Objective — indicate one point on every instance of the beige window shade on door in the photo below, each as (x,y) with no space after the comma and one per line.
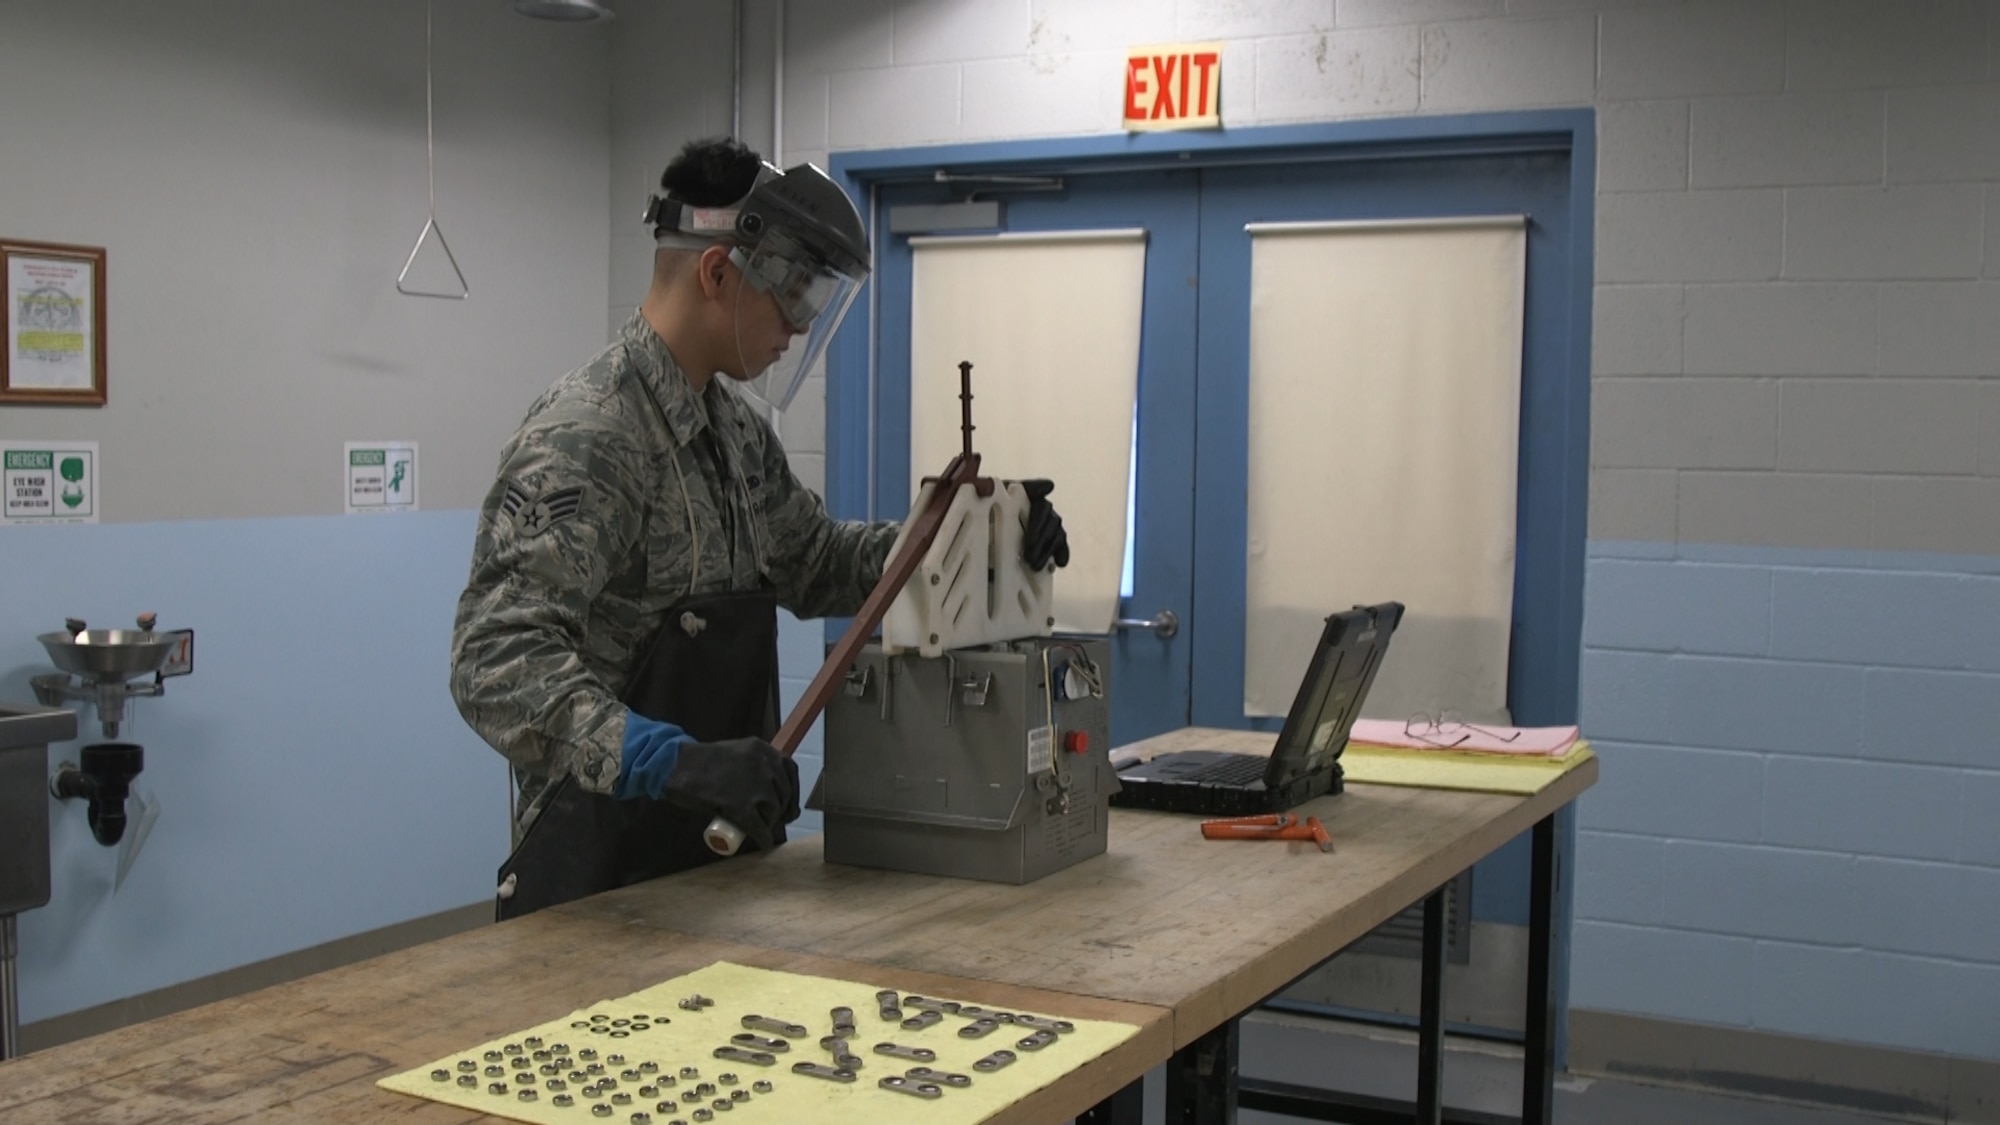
(1385,386)
(1050,323)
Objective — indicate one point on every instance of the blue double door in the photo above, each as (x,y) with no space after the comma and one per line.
(1192,432)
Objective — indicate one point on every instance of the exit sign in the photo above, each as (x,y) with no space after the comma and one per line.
(1173,87)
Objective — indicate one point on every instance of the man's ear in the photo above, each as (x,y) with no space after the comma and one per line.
(712,270)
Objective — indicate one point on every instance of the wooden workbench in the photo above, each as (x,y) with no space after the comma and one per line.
(1205,928)
(1168,932)
(312,1050)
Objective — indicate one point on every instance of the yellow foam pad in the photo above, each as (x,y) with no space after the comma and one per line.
(675,1038)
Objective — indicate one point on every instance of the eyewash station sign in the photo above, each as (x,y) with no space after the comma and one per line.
(48,482)
(1178,86)
(381,476)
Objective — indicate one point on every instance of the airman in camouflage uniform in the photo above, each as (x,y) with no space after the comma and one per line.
(624,492)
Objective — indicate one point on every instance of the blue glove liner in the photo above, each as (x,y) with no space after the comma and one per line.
(651,751)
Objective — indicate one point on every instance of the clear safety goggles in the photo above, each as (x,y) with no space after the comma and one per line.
(812,298)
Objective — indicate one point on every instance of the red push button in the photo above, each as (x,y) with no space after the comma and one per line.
(1077,742)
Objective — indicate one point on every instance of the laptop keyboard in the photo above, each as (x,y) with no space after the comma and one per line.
(1239,770)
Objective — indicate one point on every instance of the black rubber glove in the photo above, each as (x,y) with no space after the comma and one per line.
(745,781)
(1044,538)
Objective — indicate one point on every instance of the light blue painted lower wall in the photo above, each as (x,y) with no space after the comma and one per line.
(1798,823)
(1798,826)
(315,779)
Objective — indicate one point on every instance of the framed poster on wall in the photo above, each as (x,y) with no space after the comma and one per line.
(54,317)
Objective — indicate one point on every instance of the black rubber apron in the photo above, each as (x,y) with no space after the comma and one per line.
(713,672)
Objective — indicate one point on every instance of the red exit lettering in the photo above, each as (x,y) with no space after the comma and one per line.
(1170,87)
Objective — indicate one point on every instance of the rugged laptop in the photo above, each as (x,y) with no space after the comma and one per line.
(1306,761)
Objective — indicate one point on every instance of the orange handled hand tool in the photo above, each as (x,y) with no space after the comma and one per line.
(1273,826)
(1265,820)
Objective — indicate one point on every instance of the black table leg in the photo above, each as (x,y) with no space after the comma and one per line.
(1201,1080)
(1538,1068)
(1126,1107)
(1430,1016)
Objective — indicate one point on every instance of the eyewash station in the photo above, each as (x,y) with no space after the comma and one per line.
(104,670)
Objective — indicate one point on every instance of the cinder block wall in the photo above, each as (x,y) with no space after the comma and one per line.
(1795,490)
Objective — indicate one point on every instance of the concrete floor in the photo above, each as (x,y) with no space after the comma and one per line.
(1478,1076)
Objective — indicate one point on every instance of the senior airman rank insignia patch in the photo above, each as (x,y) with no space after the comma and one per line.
(532,516)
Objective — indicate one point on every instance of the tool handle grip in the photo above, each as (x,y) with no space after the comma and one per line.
(722,837)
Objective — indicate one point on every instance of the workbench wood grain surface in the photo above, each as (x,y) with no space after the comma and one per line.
(312,1050)
(1206,928)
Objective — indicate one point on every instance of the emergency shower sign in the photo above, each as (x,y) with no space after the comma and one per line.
(1173,87)
(48,482)
(381,476)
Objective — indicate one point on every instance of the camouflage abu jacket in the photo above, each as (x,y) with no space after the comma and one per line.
(622,493)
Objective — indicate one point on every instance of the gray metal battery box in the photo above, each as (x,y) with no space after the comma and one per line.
(986,763)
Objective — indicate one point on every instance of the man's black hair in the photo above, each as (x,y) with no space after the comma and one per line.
(712,172)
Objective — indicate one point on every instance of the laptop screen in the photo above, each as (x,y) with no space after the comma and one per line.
(1336,684)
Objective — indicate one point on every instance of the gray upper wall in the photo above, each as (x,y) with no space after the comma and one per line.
(255,171)
(1798,242)
(1797,322)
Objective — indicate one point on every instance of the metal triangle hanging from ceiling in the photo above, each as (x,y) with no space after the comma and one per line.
(430,175)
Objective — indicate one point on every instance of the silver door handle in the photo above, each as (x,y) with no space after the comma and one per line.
(1165,623)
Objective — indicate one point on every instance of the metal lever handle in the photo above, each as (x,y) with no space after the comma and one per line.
(1166,623)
